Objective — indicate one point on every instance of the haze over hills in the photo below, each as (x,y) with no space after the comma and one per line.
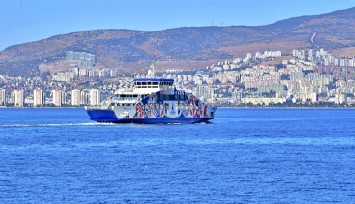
(185,48)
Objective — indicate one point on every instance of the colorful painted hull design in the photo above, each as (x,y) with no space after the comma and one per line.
(165,106)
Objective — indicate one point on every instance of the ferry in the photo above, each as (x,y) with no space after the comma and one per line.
(152,100)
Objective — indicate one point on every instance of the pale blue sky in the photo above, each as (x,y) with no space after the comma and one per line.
(30,20)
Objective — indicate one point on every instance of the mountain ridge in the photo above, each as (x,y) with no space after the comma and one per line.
(185,47)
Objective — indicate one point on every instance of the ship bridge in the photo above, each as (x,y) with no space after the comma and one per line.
(152,83)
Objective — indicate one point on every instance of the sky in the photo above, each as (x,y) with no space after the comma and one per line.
(31,20)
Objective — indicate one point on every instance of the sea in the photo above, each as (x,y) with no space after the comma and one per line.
(244,155)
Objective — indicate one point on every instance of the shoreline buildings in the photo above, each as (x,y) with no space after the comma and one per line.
(266,78)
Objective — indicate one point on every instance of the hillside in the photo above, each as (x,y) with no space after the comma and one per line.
(186,48)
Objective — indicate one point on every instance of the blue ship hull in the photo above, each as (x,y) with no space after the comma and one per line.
(102,115)
(109,116)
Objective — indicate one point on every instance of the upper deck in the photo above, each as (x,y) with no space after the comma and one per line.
(152,82)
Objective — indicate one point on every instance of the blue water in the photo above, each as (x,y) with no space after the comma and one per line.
(243,156)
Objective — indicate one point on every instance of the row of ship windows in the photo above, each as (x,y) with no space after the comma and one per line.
(161,97)
(166,97)
(122,104)
(143,83)
(138,86)
(130,96)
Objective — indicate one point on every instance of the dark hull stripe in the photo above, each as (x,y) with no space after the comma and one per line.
(109,116)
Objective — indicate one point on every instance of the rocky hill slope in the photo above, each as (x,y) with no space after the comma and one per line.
(185,48)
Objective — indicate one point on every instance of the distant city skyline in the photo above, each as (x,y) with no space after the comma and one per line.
(27,21)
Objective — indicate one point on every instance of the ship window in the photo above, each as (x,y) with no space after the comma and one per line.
(171,97)
(144,83)
(139,83)
(181,97)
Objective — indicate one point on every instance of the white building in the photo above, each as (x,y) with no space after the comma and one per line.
(19,98)
(64,97)
(38,97)
(57,98)
(340,98)
(2,97)
(113,73)
(94,97)
(84,98)
(75,97)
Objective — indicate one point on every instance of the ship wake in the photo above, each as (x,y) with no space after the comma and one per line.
(54,125)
